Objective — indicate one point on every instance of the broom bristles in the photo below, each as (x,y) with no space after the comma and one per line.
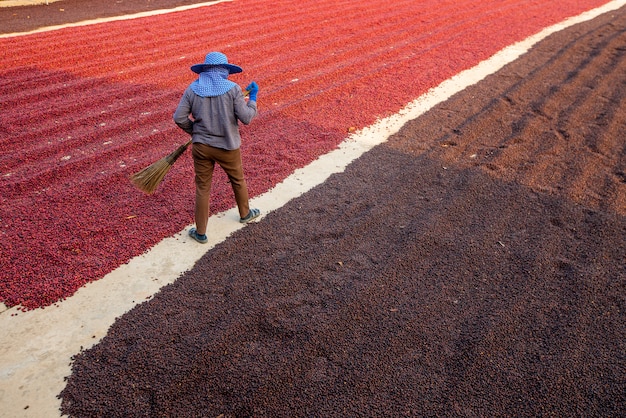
(148,179)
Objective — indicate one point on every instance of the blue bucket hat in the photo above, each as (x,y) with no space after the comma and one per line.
(216,59)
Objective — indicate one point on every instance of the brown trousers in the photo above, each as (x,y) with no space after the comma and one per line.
(204,159)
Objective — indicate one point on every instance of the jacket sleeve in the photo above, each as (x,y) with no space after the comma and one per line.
(244,111)
(181,115)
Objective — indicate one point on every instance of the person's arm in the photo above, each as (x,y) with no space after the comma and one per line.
(246,111)
(181,115)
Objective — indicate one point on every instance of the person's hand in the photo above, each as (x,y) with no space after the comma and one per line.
(253,88)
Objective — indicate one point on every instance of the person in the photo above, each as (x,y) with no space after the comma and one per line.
(216,106)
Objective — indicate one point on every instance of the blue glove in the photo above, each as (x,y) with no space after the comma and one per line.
(253,88)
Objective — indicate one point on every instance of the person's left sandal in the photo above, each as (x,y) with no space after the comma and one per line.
(202,239)
(253,214)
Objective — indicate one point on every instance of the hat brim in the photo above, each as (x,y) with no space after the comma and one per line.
(200,68)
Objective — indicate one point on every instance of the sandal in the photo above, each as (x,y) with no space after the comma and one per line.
(253,214)
(202,239)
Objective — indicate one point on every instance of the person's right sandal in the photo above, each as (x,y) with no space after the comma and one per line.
(202,239)
(253,214)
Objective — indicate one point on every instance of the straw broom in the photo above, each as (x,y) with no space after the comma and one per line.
(148,179)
